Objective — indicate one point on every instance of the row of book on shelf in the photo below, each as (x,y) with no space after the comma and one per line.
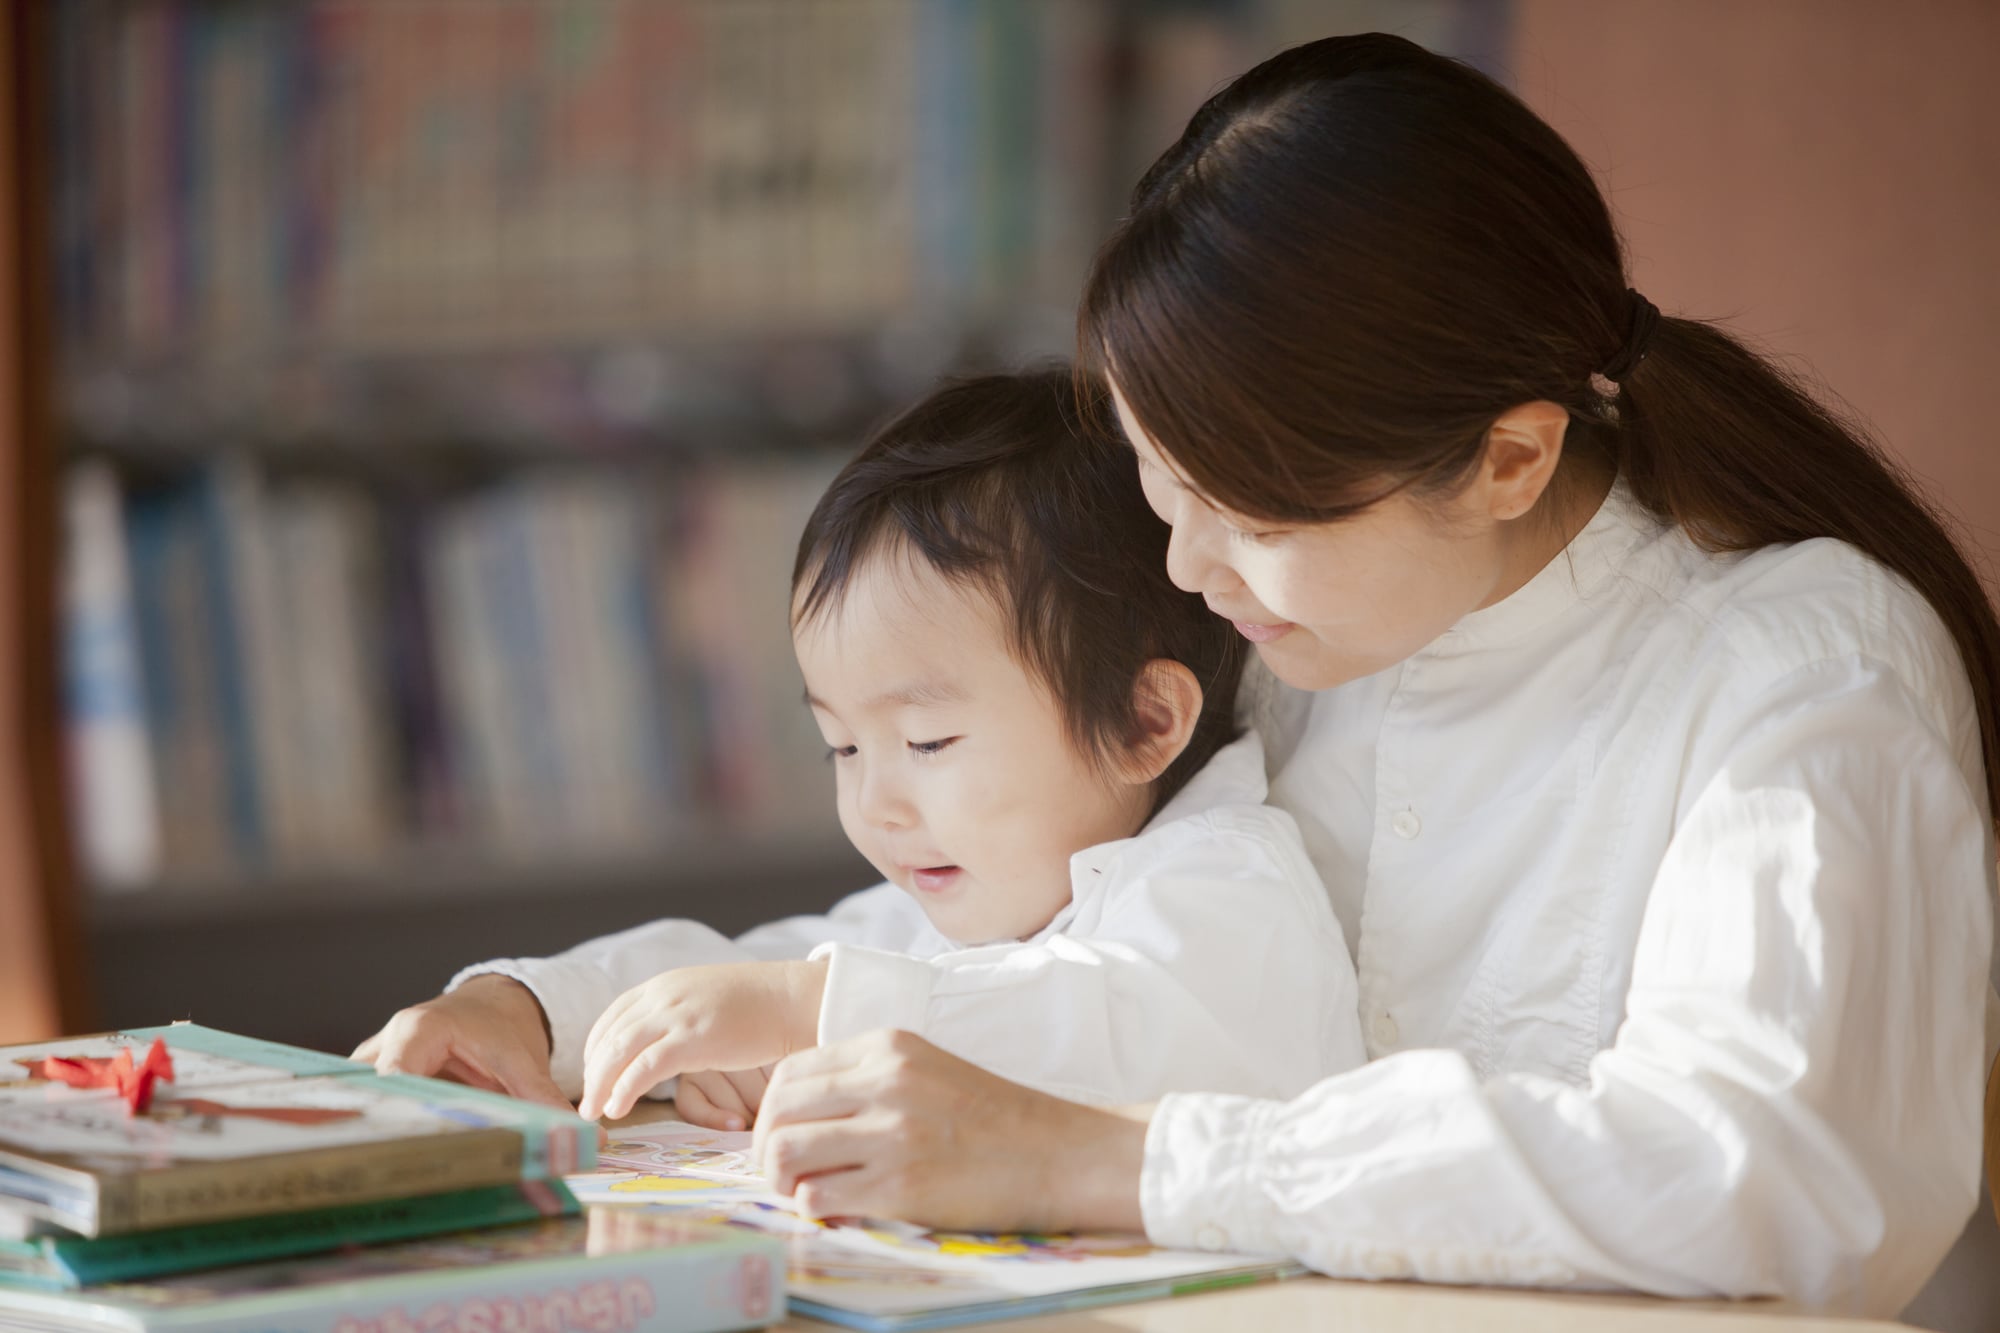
(265,672)
(436,173)
(182,1178)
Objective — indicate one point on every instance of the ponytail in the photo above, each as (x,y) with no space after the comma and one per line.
(1739,454)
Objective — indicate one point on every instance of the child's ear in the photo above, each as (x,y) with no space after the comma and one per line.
(1166,701)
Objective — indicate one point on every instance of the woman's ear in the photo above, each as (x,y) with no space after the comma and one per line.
(1166,702)
(1523,446)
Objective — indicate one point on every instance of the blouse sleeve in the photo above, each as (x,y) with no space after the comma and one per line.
(1791,1106)
(575,986)
(1209,960)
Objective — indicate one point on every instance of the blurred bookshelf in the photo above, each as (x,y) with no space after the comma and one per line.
(440,388)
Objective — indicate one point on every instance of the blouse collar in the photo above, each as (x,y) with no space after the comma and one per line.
(1590,561)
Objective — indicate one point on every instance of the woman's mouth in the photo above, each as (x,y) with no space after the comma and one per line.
(1257,633)
(935,879)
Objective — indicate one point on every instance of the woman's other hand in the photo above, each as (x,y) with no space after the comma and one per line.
(888,1125)
(489,1033)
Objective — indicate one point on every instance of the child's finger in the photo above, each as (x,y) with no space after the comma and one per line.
(606,1023)
(749,1084)
(740,1100)
(365,1052)
(603,1065)
(694,1106)
(710,1101)
(611,1048)
(662,1060)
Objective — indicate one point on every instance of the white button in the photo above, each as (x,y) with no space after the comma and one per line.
(1212,1237)
(1385,1030)
(1387,1266)
(1406,824)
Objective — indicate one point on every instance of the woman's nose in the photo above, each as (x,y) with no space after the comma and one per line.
(1191,562)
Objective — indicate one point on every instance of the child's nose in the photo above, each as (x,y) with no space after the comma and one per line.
(882,802)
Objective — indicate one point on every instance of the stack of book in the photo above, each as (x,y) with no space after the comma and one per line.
(266,1186)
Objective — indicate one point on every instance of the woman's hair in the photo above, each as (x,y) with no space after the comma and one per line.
(1359,254)
(1001,483)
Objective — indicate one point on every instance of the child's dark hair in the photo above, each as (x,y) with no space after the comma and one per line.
(1000,482)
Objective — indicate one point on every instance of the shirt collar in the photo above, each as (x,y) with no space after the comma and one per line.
(1234,775)
(1592,558)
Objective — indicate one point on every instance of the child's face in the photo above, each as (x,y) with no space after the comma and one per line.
(954,774)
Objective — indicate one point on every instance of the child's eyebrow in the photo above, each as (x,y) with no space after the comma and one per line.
(914,694)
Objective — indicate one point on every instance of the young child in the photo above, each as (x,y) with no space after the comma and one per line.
(1031,729)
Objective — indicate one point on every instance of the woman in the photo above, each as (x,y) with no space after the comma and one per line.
(1640,722)
(1633,710)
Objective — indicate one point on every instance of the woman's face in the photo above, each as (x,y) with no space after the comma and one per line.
(1330,602)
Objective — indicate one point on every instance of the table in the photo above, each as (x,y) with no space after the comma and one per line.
(1306,1305)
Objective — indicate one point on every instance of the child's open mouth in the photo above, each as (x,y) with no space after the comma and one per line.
(935,879)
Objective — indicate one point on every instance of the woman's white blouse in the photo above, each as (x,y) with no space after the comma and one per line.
(1669,880)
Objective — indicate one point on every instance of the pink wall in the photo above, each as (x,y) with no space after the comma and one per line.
(1824,175)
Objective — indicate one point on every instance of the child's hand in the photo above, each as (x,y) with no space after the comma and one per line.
(719,1099)
(722,1016)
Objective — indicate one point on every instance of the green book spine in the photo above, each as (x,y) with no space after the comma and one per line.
(83,1262)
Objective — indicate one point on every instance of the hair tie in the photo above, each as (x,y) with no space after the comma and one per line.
(1642,323)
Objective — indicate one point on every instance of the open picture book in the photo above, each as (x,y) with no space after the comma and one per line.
(871,1274)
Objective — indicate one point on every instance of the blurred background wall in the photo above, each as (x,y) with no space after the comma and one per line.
(1823,175)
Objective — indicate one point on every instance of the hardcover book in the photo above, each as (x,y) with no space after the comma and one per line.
(248,1128)
(608,1271)
(63,1262)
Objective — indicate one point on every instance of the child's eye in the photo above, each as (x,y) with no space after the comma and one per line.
(931,747)
(1245,535)
(834,752)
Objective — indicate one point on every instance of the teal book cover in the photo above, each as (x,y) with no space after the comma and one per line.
(610,1269)
(62,1262)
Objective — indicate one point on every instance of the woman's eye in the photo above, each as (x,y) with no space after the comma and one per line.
(834,752)
(931,747)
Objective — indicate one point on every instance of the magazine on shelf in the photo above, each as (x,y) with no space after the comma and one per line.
(873,1274)
(247,1128)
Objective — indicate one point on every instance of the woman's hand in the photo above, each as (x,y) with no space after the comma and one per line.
(718,1016)
(718,1099)
(490,1033)
(888,1125)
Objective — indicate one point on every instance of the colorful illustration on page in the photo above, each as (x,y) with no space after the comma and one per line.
(673,1148)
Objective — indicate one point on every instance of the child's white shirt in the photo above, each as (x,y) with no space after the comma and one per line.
(1199,955)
